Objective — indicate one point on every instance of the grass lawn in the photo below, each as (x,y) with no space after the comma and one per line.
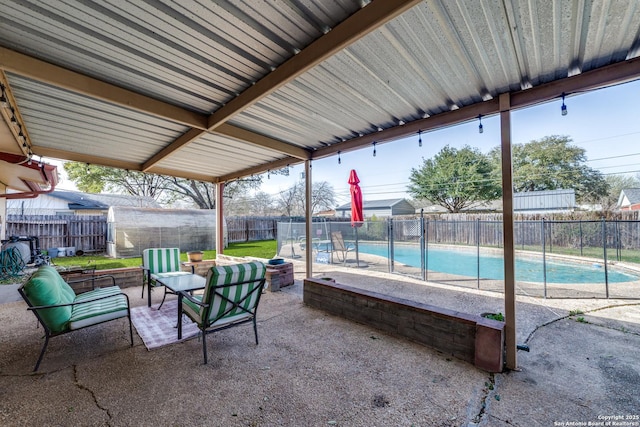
(260,249)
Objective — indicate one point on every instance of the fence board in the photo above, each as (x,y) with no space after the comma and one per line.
(84,232)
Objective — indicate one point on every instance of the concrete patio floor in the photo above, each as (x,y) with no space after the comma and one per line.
(312,369)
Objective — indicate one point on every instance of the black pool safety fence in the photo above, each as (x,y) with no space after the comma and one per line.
(554,258)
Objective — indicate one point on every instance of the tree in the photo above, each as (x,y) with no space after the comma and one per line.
(96,179)
(552,163)
(164,189)
(455,179)
(291,202)
(260,204)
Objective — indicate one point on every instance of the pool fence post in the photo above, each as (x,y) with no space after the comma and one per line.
(544,257)
(580,222)
(426,251)
(618,243)
(391,255)
(423,272)
(604,252)
(478,248)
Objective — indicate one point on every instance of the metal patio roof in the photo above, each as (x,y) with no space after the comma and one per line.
(222,89)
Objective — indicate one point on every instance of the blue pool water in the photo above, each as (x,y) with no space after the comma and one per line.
(492,267)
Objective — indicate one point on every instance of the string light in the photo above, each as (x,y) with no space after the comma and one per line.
(563,108)
(14,120)
(374,148)
(3,98)
(480,128)
(419,138)
(339,161)
(268,174)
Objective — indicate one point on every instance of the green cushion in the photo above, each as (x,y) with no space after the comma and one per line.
(46,287)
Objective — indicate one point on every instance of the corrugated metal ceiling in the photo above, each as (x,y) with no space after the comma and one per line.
(202,56)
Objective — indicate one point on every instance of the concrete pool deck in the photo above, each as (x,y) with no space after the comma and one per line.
(312,369)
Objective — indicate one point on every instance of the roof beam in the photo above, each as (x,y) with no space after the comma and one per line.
(347,32)
(55,153)
(275,165)
(618,73)
(437,121)
(114,163)
(263,141)
(46,72)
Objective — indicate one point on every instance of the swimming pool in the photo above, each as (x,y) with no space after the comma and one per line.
(465,263)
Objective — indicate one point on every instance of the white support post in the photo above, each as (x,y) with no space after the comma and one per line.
(308,218)
(219,218)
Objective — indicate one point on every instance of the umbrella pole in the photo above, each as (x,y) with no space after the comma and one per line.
(357,251)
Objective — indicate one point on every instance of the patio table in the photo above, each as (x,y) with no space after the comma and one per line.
(187,283)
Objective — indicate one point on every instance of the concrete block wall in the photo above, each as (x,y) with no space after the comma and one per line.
(468,337)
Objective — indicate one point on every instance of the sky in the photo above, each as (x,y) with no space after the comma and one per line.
(605,122)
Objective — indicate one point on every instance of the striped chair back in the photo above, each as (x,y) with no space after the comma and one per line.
(233,291)
(161,260)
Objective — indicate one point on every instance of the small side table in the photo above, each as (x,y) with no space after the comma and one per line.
(279,276)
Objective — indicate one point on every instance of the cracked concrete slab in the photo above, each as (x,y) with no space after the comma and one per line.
(314,369)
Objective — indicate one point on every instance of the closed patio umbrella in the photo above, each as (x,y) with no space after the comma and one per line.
(357,217)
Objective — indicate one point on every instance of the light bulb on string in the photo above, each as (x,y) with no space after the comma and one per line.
(374,148)
(419,138)
(480,127)
(563,108)
(339,160)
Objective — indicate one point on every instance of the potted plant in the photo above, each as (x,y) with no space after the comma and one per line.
(194,256)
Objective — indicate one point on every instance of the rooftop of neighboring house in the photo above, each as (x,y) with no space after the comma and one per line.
(79,200)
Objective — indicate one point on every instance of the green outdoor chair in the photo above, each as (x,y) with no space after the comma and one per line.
(159,263)
(230,298)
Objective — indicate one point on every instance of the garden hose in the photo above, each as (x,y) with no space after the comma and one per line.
(11,263)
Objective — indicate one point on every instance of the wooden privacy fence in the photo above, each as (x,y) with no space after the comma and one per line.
(618,234)
(84,232)
(251,228)
(89,232)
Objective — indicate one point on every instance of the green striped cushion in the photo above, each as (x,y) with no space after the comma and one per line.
(94,312)
(229,274)
(98,292)
(161,260)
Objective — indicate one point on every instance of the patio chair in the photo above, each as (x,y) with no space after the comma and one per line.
(159,263)
(340,247)
(59,310)
(230,298)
